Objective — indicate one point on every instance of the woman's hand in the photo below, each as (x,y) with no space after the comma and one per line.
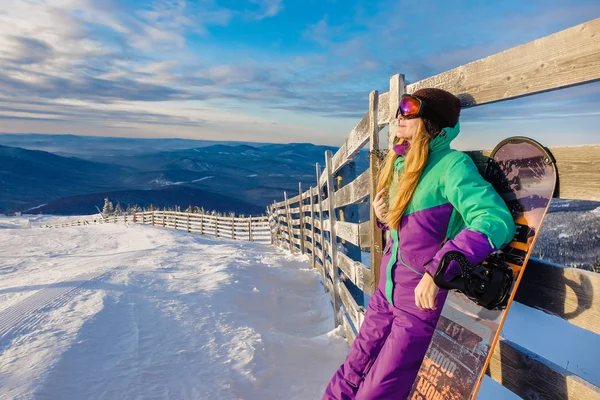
(425,293)
(380,204)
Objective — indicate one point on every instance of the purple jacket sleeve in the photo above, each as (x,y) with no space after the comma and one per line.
(489,224)
(473,244)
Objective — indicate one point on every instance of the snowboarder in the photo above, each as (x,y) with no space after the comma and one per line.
(432,200)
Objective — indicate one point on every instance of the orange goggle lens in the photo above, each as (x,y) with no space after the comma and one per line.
(409,107)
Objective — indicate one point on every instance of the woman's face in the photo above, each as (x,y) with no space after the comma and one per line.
(407,128)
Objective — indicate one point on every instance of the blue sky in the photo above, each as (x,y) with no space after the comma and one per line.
(267,70)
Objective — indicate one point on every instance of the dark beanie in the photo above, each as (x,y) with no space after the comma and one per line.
(442,109)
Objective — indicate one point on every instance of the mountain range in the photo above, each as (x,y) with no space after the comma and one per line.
(80,171)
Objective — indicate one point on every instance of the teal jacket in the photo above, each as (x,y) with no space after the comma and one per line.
(452,201)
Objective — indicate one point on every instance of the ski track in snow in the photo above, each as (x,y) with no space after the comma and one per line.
(28,313)
(138,312)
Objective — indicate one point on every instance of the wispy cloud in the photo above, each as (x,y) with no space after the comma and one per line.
(112,63)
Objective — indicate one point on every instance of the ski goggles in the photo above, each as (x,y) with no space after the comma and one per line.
(410,107)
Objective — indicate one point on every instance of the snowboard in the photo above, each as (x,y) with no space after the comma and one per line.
(524,174)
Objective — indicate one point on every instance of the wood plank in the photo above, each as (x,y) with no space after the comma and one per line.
(357,272)
(355,192)
(294,199)
(311,221)
(578,171)
(317,224)
(308,245)
(325,204)
(384,112)
(348,231)
(288,218)
(332,235)
(301,218)
(364,234)
(530,376)
(563,59)
(569,293)
(326,225)
(352,308)
(356,140)
(318,253)
(350,336)
(375,236)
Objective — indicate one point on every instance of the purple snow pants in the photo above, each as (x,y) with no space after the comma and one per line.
(385,357)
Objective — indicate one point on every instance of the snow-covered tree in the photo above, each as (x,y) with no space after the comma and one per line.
(108,207)
(118,210)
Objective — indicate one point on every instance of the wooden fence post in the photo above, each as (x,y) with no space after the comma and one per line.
(374,167)
(278,230)
(189,226)
(250,237)
(324,274)
(288,217)
(301,218)
(233,228)
(333,238)
(216,225)
(202,223)
(312,227)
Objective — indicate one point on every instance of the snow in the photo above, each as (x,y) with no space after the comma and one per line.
(117,311)
(135,311)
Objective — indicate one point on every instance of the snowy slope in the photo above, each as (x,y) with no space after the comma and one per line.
(127,312)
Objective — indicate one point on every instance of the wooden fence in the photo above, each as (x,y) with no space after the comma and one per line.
(254,229)
(322,221)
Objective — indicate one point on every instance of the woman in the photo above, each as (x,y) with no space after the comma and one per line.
(438,202)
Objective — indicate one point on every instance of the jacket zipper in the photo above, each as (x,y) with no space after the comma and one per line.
(409,267)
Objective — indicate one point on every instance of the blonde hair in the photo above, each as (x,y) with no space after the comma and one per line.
(415,162)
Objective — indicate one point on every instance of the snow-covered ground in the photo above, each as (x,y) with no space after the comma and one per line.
(139,312)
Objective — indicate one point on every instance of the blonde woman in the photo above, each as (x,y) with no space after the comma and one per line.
(433,200)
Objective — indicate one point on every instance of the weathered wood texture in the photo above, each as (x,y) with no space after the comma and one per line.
(354,192)
(578,171)
(530,376)
(357,272)
(563,59)
(352,308)
(332,251)
(348,231)
(350,335)
(569,293)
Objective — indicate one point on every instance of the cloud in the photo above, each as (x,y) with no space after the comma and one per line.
(105,61)
(268,8)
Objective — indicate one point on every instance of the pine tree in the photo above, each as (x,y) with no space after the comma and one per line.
(108,207)
(118,210)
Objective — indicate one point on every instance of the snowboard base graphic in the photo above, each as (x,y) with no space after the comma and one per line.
(524,174)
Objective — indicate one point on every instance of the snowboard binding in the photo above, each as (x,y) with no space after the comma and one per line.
(487,284)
